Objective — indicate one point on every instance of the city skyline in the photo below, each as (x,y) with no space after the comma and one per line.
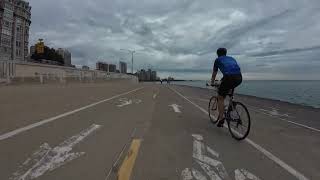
(180,38)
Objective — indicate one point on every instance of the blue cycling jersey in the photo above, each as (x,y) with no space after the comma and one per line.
(227,65)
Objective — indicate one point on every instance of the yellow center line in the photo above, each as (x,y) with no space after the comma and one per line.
(125,170)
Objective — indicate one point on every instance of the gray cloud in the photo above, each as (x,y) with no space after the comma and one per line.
(272,38)
(286,51)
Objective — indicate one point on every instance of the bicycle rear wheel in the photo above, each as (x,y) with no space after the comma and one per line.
(239,121)
(213,109)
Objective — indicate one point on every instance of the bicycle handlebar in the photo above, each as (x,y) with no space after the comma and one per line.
(213,85)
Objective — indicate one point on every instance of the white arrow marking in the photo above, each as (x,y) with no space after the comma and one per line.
(212,152)
(198,149)
(199,154)
(213,168)
(210,172)
(198,175)
(48,159)
(197,137)
(186,174)
(242,174)
(124,102)
(137,101)
(175,108)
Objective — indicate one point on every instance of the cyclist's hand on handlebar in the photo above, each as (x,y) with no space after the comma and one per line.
(212,82)
(215,83)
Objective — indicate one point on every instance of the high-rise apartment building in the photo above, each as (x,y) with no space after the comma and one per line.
(101,66)
(112,68)
(123,67)
(15,20)
(153,75)
(66,55)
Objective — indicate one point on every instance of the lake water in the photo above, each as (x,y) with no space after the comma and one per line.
(298,92)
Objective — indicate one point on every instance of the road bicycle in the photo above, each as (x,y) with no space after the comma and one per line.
(235,113)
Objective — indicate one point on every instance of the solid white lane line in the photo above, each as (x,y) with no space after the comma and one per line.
(275,159)
(282,119)
(45,121)
(259,111)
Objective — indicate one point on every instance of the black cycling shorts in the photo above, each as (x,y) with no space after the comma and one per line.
(229,82)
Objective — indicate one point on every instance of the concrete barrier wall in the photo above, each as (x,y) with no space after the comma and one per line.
(15,71)
(7,71)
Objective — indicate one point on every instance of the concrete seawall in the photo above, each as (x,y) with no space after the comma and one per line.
(15,72)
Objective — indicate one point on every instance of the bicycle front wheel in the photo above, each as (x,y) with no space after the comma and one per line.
(239,121)
(213,109)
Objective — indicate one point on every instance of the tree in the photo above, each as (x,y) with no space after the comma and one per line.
(49,54)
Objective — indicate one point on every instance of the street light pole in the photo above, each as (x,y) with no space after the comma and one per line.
(132,52)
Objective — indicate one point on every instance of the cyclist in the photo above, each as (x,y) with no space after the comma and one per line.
(231,79)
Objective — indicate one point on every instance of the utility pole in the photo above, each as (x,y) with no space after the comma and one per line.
(132,52)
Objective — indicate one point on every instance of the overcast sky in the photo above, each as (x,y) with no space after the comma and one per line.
(271,39)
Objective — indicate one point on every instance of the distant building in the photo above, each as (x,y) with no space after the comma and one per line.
(15,20)
(85,67)
(112,68)
(123,67)
(101,66)
(149,75)
(32,50)
(142,75)
(153,76)
(66,55)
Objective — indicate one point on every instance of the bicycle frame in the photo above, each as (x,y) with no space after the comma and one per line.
(231,114)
